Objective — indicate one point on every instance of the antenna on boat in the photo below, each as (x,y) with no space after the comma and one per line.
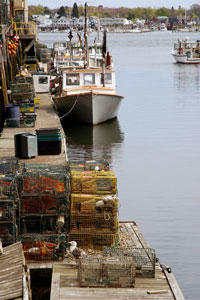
(86,63)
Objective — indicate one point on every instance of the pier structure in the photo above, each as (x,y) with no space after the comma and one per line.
(64,283)
(152,280)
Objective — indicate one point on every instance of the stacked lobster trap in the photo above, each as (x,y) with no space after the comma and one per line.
(44,209)
(94,205)
(8,200)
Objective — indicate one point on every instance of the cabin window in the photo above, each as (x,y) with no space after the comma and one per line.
(187,46)
(43,80)
(89,78)
(72,79)
(107,78)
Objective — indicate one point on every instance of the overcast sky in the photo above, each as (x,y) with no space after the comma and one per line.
(117,3)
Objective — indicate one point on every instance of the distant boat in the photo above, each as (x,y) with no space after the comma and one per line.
(186,51)
(163,27)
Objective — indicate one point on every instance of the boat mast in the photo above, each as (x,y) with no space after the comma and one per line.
(86,60)
(70,36)
(104,57)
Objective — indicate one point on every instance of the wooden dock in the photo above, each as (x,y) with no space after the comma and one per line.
(64,274)
(164,286)
(65,284)
(46,118)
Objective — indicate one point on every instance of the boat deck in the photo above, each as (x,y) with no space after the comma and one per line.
(46,118)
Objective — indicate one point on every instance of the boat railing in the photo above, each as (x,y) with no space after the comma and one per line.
(24,28)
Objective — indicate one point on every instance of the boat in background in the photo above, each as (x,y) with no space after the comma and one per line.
(186,51)
(163,27)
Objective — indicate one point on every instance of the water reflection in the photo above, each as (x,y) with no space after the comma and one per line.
(187,76)
(99,142)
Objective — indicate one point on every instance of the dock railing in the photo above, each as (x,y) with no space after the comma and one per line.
(22,28)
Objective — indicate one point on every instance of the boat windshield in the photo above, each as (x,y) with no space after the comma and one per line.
(89,78)
(107,78)
(72,79)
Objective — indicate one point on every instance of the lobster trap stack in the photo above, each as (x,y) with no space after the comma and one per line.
(94,205)
(44,209)
(8,200)
(22,92)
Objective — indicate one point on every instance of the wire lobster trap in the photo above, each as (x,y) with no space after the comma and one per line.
(41,183)
(91,204)
(91,182)
(8,232)
(8,166)
(45,205)
(94,240)
(44,224)
(44,247)
(8,186)
(112,272)
(7,209)
(145,258)
(91,165)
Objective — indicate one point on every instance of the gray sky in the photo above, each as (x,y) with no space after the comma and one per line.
(117,3)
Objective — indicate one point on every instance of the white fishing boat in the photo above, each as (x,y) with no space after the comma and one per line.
(88,96)
(163,27)
(186,51)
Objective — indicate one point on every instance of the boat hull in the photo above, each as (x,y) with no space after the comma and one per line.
(89,108)
(183,59)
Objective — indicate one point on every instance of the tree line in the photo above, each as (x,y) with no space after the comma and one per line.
(121,12)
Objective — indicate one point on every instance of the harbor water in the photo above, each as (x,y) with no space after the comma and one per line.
(153,147)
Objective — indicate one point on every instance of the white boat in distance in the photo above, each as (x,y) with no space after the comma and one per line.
(186,51)
(88,96)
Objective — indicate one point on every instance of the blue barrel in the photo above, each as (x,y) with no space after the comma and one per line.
(12,111)
(12,115)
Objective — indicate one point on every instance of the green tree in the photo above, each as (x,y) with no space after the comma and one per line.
(163,11)
(75,12)
(47,11)
(61,12)
(35,10)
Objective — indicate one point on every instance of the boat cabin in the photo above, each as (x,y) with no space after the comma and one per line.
(83,79)
(189,48)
